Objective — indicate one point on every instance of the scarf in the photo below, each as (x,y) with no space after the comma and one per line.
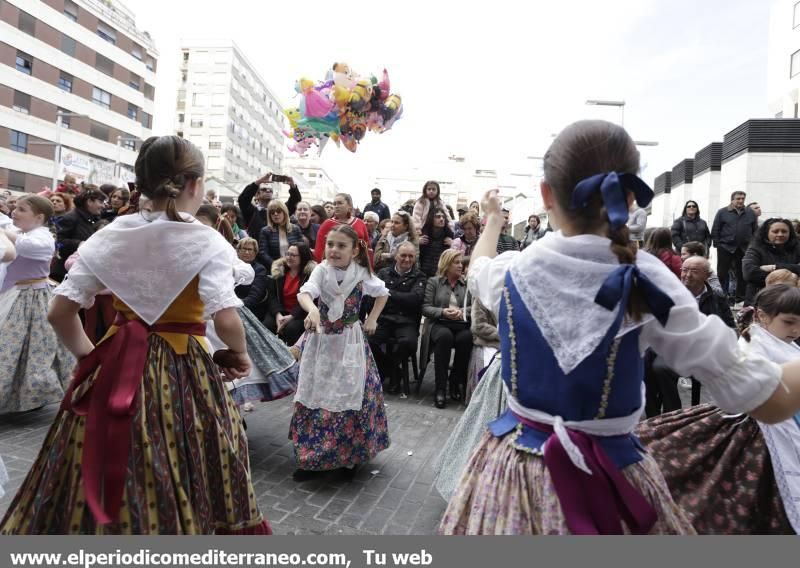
(395,242)
(334,293)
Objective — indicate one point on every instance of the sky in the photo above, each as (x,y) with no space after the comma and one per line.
(492,81)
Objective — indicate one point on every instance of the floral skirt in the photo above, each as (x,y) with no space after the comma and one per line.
(718,469)
(275,370)
(505,491)
(325,440)
(35,367)
(188,468)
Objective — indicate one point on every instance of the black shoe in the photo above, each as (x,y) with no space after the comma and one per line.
(304,474)
(347,473)
(393,388)
(455,392)
(441,400)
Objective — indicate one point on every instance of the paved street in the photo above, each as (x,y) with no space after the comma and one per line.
(391,495)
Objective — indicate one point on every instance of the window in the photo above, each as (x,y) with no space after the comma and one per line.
(128,142)
(136,51)
(150,64)
(65,120)
(197,123)
(218,100)
(100,97)
(133,82)
(104,64)
(65,82)
(27,23)
(215,145)
(133,111)
(149,92)
(796,20)
(16,180)
(107,33)
(794,65)
(24,63)
(68,45)
(186,56)
(19,141)
(217,121)
(181,117)
(71,10)
(147,120)
(98,131)
(199,99)
(22,102)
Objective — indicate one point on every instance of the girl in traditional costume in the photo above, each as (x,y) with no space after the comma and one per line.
(148,440)
(730,473)
(339,419)
(7,253)
(575,312)
(34,365)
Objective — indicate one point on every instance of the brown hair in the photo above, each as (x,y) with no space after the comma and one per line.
(163,168)
(362,256)
(411,227)
(781,276)
(470,218)
(66,198)
(218,222)
(583,149)
(39,205)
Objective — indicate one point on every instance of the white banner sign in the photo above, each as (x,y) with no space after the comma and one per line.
(88,169)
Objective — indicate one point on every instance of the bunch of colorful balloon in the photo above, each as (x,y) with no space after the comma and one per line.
(342,108)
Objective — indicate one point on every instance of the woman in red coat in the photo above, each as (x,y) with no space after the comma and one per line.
(660,244)
(342,215)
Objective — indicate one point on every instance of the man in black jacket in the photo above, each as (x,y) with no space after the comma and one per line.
(401,316)
(661,381)
(377,206)
(734,227)
(255,216)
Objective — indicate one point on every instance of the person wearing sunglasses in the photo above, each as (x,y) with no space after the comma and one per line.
(690,227)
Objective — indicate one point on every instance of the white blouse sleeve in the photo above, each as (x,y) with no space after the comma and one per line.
(80,285)
(217,281)
(35,245)
(313,286)
(703,347)
(487,278)
(374,286)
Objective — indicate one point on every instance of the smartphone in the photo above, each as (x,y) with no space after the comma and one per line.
(131,186)
(280,178)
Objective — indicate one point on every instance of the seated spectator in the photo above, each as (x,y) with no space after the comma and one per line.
(485,343)
(278,235)
(661,381)
(694,248)
(447,305)
(209,215)
(436,238)
(371,220)
(400,319)
(401,230)
(232,214)
(253,295)
(775,245)
(471,228)
(285,317)
(782,276)
(309,228)
(660,244)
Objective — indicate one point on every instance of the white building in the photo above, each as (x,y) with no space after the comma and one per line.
(314,182)
(229,112)
(784,59)
(85,58)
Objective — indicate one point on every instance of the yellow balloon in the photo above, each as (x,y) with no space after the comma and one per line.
(293,114)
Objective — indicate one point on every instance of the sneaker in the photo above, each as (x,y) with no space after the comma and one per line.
(685,383)
(248,407)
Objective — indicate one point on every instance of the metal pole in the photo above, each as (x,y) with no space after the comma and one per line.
(117,170)
(57,152)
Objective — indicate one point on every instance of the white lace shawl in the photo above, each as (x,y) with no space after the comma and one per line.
(558,278)
(148,261)
(323,284)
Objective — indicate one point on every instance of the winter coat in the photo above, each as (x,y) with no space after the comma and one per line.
(531,236)
(429,254)
(310,234)
(73,228)
(714,302)
(671,261)
(269,243)
(733,229)
(761,253)
(255,218)
(254,295)
(406,294)
(484,326)
(380,208)
(686,230)
(275,299)
(437,297)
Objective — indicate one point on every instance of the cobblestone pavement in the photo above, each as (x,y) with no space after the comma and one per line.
(393,494)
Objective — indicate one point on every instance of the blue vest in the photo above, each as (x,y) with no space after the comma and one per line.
(607,384)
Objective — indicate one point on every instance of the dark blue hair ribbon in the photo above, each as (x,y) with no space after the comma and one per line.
(613,188)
